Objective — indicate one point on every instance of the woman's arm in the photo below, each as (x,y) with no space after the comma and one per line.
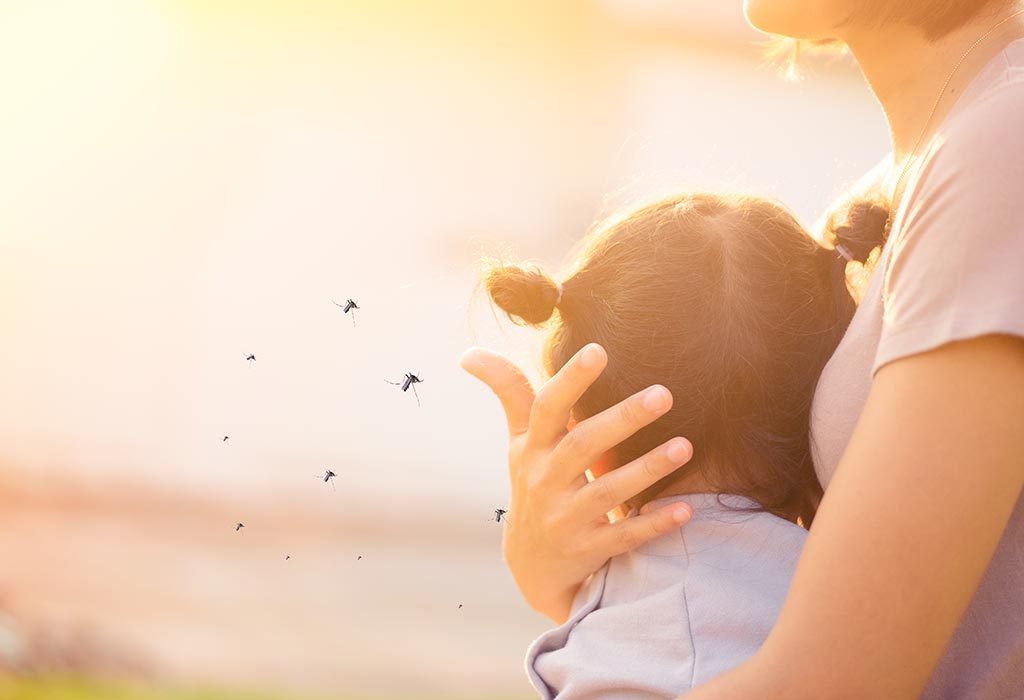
(904,533)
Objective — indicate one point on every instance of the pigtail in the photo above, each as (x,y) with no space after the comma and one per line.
(857,229)
(526,294)
(852,234)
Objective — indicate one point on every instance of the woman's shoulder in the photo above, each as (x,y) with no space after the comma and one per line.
(953,266)
(973,168)
(987,126)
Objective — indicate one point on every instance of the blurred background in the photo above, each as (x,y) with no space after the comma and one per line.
(186,183)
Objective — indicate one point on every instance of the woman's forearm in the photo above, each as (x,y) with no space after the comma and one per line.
(751,679)
(904,533)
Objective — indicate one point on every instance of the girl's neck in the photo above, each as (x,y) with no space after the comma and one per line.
(906,70)
(690,482)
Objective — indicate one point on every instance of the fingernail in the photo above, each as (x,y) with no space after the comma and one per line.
(656,398)
(589,357)
(682,513)
(678,450)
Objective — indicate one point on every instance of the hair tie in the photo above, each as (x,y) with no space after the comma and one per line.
(558,286)
(844,252)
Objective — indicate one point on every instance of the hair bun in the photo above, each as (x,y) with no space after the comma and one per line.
(526,294)
(859,228)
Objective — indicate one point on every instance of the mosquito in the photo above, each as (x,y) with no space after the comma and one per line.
(238,526)
(249,357)
(287,557)
(326,476)
(410,380)
(460,606)
(349,305)
(359,557)
(225,438)
(498,513)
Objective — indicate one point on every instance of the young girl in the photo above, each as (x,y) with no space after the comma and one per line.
(727,301)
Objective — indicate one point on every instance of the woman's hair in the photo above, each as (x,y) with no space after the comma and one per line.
(729,303)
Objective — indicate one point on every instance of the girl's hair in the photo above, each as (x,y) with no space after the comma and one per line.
(729,303)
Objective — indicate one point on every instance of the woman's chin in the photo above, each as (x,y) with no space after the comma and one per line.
(796,19)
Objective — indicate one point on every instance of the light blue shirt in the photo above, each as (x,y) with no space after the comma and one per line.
(676,612)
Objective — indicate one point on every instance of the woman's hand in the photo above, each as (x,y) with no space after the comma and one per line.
(558,532)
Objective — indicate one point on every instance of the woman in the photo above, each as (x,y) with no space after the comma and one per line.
(912,581)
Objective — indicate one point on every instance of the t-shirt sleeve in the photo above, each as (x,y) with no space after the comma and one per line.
(956,269)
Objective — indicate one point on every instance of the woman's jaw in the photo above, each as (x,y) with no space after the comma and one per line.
(811,20)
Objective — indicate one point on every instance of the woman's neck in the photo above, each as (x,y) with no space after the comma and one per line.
(906,70)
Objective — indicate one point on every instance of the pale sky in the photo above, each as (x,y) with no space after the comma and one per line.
(181,185)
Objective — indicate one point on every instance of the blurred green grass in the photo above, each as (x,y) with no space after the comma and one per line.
(83,689)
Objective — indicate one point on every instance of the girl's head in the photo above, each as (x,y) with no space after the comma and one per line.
(726,301)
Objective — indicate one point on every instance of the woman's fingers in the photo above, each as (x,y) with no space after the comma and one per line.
(591,438)
(555,399)
(506,380)
(615,488)
(626,535)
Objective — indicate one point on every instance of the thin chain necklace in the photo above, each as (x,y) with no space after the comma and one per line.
(896,194)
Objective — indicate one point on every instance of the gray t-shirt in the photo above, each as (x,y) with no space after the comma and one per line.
(674,613)
(952,269)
